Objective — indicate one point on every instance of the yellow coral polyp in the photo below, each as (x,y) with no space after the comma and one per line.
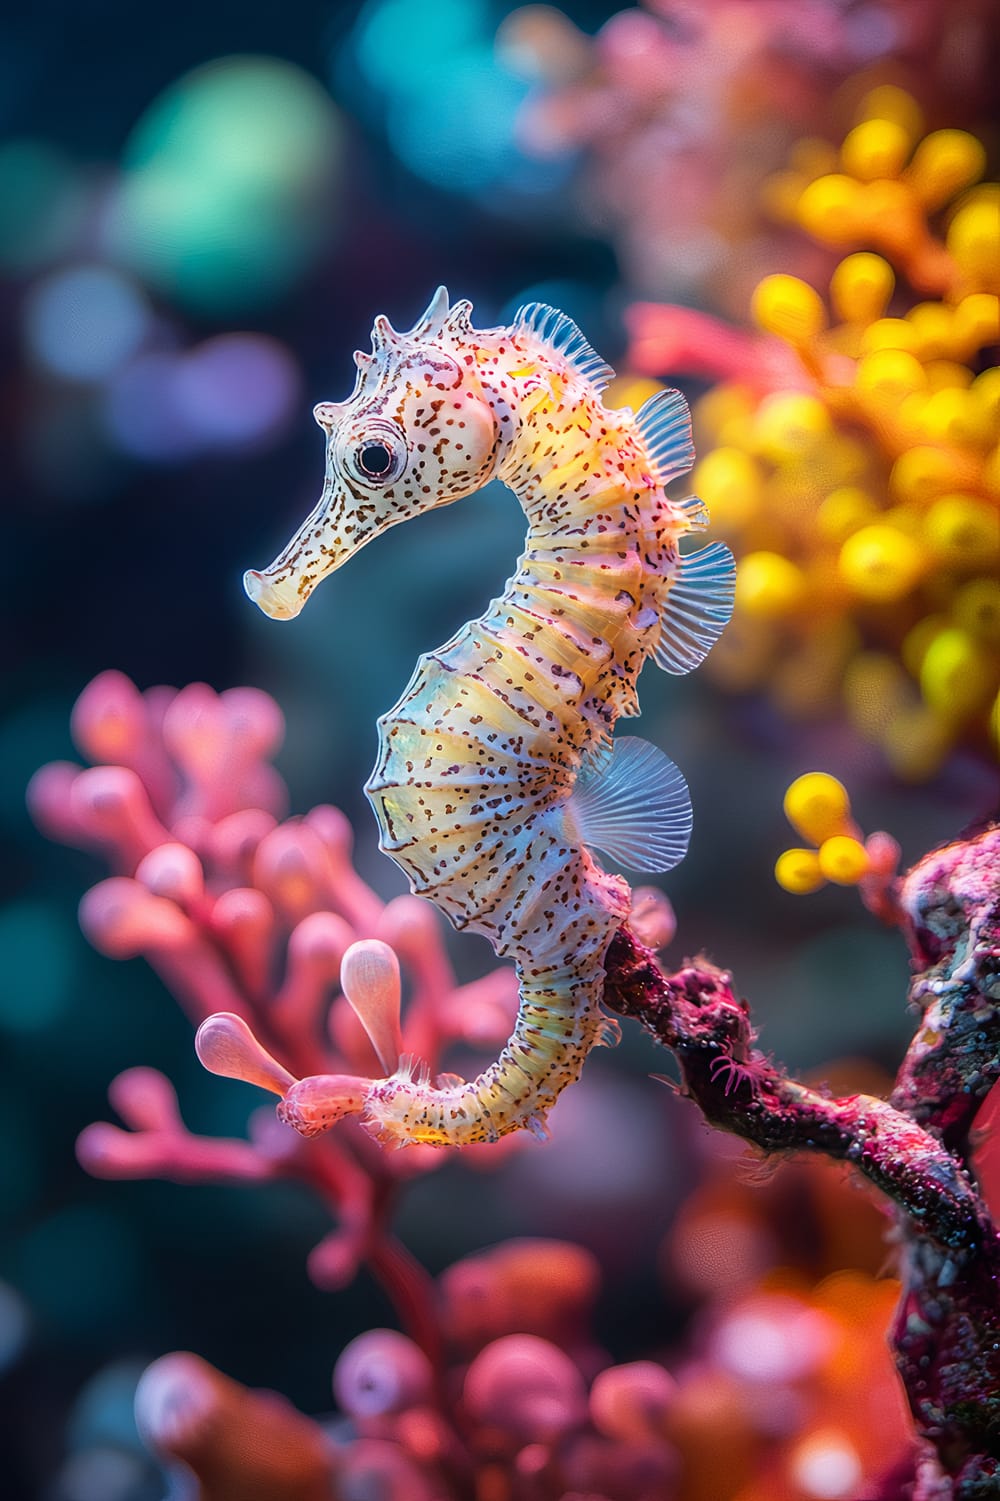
(991,473)
(843,860)
(953,416)
(962,530)
(633,393)
(933,327)
(958,675)
(942,374)
(986,387)
(789,308)
(943,164)
(769,586)
(974,240)
(881,564)
(923,472)
(906,519)
(889,102)
(844,511)
(917,641)
(832,208)
(730,484)
(789,423)
(889,375)
(976,323)
(888,333)
(818,806)
(798,872)
(724,415)
(976,608)
(888,215)
(876,148)
(779,195)
(844,460)
(861,286)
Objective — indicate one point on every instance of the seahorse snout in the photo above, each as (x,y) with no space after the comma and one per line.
(278,596)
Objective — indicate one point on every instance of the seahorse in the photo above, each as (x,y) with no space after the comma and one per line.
(497,776)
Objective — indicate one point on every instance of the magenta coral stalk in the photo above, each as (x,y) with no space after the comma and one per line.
(914,1148)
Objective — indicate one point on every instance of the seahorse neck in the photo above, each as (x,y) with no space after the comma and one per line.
(591,575)
(568,468)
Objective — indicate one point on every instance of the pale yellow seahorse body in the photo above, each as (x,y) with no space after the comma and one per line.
(478,787)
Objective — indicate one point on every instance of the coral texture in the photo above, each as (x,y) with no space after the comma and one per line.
(915,1148)
(241,913)
(849,448)
(498,1387)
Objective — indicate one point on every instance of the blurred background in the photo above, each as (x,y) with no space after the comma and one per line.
(202,208)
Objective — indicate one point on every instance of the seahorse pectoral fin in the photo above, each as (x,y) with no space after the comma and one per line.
(699,604)
(664,422)
(633,804)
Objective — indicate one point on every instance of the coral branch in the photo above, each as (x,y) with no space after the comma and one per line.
(946,1335)
(696,1014)
(248,921)
(951,907)
(239,1443)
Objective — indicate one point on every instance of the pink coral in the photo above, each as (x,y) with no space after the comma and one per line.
(675,111)
(242,912)
(499,1387)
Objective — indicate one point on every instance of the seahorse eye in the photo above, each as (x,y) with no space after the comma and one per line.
(375,459)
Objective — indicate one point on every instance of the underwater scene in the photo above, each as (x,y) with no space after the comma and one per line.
(422,1083)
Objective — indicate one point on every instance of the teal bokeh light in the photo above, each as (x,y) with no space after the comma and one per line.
(78,1268)
(449,103)
(409,46)
(229,183)
(37,966)
(42,205)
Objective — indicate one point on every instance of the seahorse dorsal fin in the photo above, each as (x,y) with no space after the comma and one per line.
(560,334)
(633,804)
(696,512)
(698,606)
(664,423)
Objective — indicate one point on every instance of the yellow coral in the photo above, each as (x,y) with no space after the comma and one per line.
(881,563)
(861,287)
(864,496)
(788,307)
(769,586)
(817,806)
(798,872)
(843,860)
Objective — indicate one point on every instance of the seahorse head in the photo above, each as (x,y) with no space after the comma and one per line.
(416,432)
